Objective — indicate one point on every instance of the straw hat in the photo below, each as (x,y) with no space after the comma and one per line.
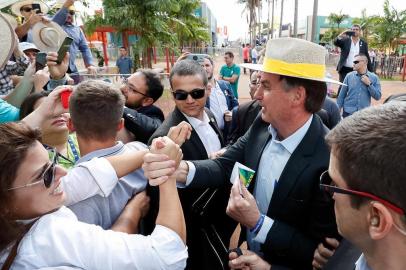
(15,8)
(11,19)
(48,37)
(6,3)
(7,41)
(295,58)
(59,4)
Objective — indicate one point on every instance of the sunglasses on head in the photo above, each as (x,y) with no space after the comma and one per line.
(47,177)
(326,185)
(195,94)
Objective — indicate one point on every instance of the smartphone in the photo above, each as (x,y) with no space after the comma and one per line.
(64,49)
(37,8)
(40,61)
(197,57)
(65,95)
(350,33)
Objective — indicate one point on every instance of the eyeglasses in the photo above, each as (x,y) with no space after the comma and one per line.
(132,89)
(26,9)
(47,176)
(325,185)
(195,94)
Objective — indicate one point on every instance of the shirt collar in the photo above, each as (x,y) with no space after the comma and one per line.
(197,122)
(290,143)
(362,264)
(102,152)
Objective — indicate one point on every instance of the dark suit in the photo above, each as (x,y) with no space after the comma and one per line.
(345,45)
(243,117)
(143,122)
(200,253)
(302,214)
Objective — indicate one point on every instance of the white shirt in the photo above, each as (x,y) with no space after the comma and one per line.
(254,53)
(218,105)
(361,263)
(272,163)
(353,52)
(58,238)
(206,133)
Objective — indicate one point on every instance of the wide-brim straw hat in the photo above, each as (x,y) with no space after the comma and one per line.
(48,37)
(59,5)
(6,3)
(294,57)
(15,8)
(11,19)
(7,41)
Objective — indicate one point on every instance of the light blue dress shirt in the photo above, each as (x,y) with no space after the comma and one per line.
(356,95)
(362,264)
(273,160)
(79,40)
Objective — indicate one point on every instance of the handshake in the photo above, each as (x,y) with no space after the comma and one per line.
(167,151)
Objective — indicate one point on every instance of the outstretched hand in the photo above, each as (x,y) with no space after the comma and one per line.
(180,133)
(247,261)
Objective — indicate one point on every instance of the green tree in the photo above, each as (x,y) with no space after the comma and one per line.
(337,18)
(390,27)
(154,22)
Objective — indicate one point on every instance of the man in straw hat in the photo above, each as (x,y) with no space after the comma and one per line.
(27,10)
(65,18)
(283,210)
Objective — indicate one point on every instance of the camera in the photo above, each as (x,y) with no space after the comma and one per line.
(197,57)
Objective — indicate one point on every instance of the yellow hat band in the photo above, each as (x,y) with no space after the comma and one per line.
(311,71)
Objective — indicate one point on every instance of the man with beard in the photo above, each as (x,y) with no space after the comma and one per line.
(141,117)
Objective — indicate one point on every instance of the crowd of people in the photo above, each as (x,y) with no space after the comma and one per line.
(95,176)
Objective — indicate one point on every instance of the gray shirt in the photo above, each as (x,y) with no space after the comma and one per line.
(104,211)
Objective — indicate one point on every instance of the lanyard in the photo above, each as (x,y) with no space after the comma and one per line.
(74,151)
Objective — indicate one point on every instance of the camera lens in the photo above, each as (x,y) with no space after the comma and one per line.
(195,57)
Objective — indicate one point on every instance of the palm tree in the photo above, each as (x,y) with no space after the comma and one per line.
(295,19)
(337,18)
(281,21)
(314,20)
(250,7)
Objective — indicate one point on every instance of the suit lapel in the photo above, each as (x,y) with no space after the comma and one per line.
(214,126)
(298,161)
(262,137)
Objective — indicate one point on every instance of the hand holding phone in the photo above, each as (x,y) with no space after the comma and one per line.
(350,33)
(65,95)
(40,61)
(64,49)
(37,8)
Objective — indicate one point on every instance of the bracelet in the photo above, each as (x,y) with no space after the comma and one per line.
(258,226)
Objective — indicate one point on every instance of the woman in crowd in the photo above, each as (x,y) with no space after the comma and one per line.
(55,133)
(37,231)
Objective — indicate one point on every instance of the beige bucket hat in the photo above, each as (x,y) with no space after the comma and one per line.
(7,41)
(48,37)
(295,58)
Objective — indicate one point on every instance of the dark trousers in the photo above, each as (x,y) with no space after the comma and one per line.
(245,61)
(342,73)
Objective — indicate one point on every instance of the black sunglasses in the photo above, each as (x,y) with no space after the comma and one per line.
(195,94)
(48,175)
(72,12)
(26,9)
(326,185)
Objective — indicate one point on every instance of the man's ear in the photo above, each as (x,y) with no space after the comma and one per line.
(299,95)
(147,101)
(71,127)
(120,125)
(380,221)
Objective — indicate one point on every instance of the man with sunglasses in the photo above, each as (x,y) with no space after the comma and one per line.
(366,180)
(189,86)
(65,18)
(141,117)
(351,44)
(360,86)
